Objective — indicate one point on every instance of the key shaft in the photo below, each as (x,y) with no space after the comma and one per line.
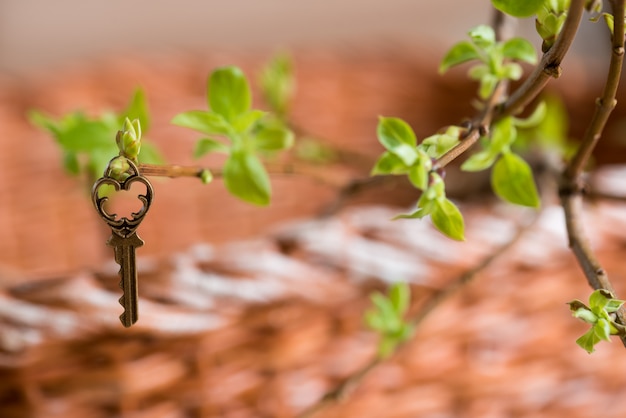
(124,247)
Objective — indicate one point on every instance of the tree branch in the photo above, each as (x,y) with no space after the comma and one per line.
(571,185)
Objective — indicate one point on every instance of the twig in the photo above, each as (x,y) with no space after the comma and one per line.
(571,186)
(345,388)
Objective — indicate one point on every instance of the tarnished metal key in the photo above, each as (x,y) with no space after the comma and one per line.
(124,238)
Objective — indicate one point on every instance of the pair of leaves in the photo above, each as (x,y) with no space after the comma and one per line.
(511,176)
(602,305)
(87,143)
(239,131)
(387,317)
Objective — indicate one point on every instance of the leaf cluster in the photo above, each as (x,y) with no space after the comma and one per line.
(601,314)
(232,127)
(387,317)
(405,157)
(494,58)
(86,141)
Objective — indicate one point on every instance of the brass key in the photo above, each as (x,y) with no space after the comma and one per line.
(124,238)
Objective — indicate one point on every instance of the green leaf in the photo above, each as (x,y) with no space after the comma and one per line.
(519,49)
(588,341)
(246,178)
(461,52)
(248,120)
(138,109)
(602,329)
(448,219)
(487,85)
(503,134)
(512,180)
(400,297)
(208,145)
(511,71)
(388,163)
(70,162)
(437,145)
(203,121)
(613,305)
(397,136)
(480,161)
(374,320)
(418,214)
(534,119)
(274,137)
(585,315)
(483,36)
(44,122)
(229,93)
(419,172)
(278,83)
(518,8)
(388,314)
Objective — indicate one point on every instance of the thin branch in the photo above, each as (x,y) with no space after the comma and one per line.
(496,107)
(571,186)
(345,388)
(320,174)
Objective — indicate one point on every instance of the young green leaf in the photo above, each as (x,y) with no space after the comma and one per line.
(419,172)
(480,161)
(397,136)
(588,341)
(535,118)
(278,83)
(483,36)
(207,145)
(519,49)
(613,305)
(388,314)
(461,52)
(228,92)
(602,329)
(246,178)
(70,162)
(512,180)
(138,109)
(246,121)
(206,176)
(203,121)
(437,145)
(448,219)
(400,297)
(389,163)
(272,137)
(518,8)
(502,136)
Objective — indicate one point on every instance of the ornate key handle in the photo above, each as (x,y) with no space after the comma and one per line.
(122,226)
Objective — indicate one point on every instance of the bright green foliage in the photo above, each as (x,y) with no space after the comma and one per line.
(601,315)
(405,157)
(511,177)
(550,19)
(238,131)
(228,93)
(397,136)
(87,143)
(512,180)
(494,58)
(387,317)
(278,84)
(518,8)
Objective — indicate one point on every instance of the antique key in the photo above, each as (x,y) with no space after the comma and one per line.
(124,238)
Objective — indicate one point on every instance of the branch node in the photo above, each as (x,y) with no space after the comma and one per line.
(553,70)
(619,51)
(483,130)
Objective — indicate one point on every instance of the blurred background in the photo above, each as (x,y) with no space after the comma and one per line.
(257,312)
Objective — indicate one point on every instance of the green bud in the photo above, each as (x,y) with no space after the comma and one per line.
(206,176)
(129,139)
(118,168)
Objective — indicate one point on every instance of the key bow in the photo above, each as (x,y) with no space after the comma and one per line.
(122,226)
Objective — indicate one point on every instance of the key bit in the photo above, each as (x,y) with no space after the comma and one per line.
(124,248)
